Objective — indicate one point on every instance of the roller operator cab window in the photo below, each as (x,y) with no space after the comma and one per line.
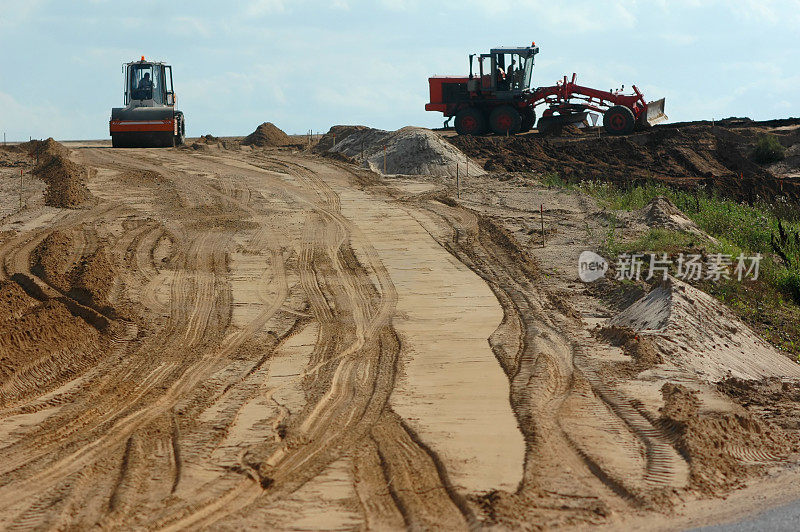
(147,83)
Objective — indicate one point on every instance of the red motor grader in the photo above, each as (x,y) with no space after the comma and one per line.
(499,98)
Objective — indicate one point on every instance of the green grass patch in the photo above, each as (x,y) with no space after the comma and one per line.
(662,241)
(768,149)
(749,228)
(553,180)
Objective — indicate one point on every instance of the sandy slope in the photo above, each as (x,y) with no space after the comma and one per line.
(289,342)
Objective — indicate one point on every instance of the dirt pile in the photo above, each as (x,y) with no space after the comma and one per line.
(14,302)
(770,398)
(267,134)
(195,146)
(407,151)
(42,149)
(640,348)
(51,260)
(86,278)
(661,213)
(337,134)
(93,278)
(694,331)
(65,179)
(41,343)
(719,446)
(688,156)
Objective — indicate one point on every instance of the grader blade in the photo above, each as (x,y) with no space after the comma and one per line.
(655,112)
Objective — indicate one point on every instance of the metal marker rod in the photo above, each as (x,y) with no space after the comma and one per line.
(541,213)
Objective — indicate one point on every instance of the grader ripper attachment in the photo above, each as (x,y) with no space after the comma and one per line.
(149,118)
(499,98)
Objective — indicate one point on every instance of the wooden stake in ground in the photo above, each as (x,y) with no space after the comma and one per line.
(541,213)
(458,184)
(21,172)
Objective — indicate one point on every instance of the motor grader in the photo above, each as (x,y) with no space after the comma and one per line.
(499,98)
(149,118)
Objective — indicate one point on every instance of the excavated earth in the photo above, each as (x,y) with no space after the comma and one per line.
(267,134)
(232,339)
(687,155)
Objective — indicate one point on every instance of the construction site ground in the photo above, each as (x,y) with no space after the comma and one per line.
(226,337)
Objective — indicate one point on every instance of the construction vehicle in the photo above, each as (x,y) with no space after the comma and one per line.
(149,118)
(499,98)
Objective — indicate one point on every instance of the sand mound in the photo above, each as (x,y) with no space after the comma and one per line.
(267,134)
(409,151)
(50,260)
(92,278)
(639,348)
(41,344)
(340,133)
(65,179)
(719,445)
(14,302)
(195,146)
(88,279)
(696,332)
(661,213)
(44,149)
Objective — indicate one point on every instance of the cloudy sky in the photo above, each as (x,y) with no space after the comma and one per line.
(307,64)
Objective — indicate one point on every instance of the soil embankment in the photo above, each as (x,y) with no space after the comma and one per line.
(65,179)
(717,157)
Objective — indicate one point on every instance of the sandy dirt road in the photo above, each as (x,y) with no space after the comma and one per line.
(284,341)
(255,351)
